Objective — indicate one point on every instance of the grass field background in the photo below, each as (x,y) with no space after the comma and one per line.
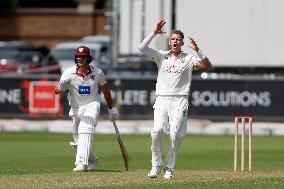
(45,160)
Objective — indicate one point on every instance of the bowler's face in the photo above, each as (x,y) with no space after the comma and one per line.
(176,42)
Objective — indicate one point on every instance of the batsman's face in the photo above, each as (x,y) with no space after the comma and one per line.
(81,61)
(175,42)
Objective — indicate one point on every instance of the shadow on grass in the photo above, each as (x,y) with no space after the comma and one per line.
(107,170)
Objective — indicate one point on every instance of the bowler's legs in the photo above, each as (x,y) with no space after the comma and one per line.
(160,120)
(178,126)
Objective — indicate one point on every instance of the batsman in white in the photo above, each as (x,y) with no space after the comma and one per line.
(82,81)
(172,89)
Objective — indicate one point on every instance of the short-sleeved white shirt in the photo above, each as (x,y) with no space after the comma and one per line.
(174,73)
(82,89)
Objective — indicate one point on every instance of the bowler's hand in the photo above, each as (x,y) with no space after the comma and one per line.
(193,45)
(158,29)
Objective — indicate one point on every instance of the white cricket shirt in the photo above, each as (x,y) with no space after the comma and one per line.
(174,73)
(82,89)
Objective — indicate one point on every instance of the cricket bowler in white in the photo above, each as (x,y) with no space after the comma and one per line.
(172,89)
(83,81)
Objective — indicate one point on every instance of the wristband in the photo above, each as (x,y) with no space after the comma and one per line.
(200,54)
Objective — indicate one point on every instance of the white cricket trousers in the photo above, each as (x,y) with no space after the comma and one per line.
(170,116)
(84,122)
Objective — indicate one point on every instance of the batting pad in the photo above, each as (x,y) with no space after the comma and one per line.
(84,148)
(76,122)
(85,145)
(92,157)
(87,125)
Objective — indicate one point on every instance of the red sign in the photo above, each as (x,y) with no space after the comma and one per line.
(42,98)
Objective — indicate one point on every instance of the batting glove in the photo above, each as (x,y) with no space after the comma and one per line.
(65,82)
(113,114)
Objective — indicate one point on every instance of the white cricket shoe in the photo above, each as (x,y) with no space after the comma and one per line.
(80,168)
(73,144)
(92,166)
(154,172)
(168,174)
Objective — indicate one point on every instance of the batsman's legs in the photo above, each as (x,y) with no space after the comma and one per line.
(85,131)
(76,121)
(73,113)
(92,161)
(89,114)
(92,156)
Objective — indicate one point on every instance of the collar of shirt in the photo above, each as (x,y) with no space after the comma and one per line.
(82,74)
(171,55)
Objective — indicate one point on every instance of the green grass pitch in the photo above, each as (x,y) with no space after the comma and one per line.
(45,160)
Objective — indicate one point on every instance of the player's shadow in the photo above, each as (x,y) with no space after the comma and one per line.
(107,170)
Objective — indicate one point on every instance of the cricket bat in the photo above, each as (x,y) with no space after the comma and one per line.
(122,147)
